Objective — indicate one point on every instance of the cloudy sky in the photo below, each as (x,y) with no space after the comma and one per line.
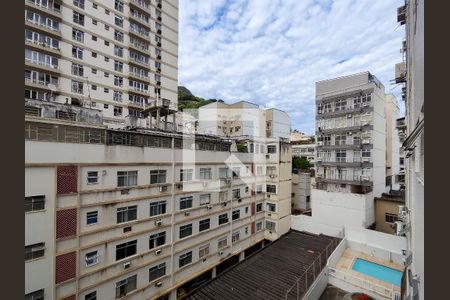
(271,52)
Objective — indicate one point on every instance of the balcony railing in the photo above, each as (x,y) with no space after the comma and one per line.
(42,82)
(44,44)
(42,63)
(161,102)
(49,6)
(35,22)
(141,3)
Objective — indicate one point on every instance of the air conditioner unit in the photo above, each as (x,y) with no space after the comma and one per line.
(349,116)
(158,284)
(364,178)
(221,252)
(158,252)
(399,227)
(268,195)
(127,265)
(163,188)
(365,159)
(269,214)
(179,186)
(272,175)
(349,132)
(209,207)
(224,204)
(239,199)
(186,213)
(158,222)
(319,143)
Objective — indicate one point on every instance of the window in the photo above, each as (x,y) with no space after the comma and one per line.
(77,52)
(36,295)
(127,178)
(271,207)
(106,43)
(125,286)
(158,176)
(107,11)
(365,152)
(118,96)
(117,111)
(118,36)
(223,196)
(203,251)
(391,218)
(236,214)
(157,240)
(91,258)
(106,90)
(94,87)
(236,172)
(186,174)
(105,106)
(236,193)
(259,188)
(271,149)
(259,226)
(94,5)
(91,296)
(126,249)
(78,18)
(340,105)
(118,51)
(205,199)
(106,74)
(185,259)
(340,140)
(270,226)
(246,210)
(185,230)
(247,189)
(205,173)
(34,203)
(94,38)
(341,155)
(77,87)
(223,173)
(34,251)
(79,3)
(258,207)
(235,237)
(222,243)
(271,188)
(106,59)
(78,35)
(91,217)
(118,5)
(271,170)
(223,219)
(106,27)
(94,22)
(94,54)
(118,66)
(118,21)
(203,225)
(156,272)
(157,208)
(77,69)
(186,202)
(126,214)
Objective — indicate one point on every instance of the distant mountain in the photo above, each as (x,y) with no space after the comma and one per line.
(187,100)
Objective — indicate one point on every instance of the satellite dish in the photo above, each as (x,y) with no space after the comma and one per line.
(52,87)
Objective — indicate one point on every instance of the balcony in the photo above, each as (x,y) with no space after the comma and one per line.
(400,73)
(51,8)
(140,33)
(139,62)
(166,105)
(401,15)
(139,76)
(138,90)
(143,5)
(139,47)
(41,83)
(39,26)
(43,46)
(42,65)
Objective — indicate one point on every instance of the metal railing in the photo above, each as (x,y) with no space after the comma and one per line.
(306,280)
(383,291)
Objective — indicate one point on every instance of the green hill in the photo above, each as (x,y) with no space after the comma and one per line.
(187,100)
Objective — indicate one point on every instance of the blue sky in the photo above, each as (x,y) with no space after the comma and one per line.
(271,52)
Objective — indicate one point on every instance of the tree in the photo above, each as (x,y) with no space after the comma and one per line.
(301,163)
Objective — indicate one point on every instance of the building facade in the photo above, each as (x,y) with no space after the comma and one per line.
(114,213)
(301,191)
(410,73)
(119,57)
(307,150)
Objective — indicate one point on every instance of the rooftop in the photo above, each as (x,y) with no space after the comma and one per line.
(273,271)
(395,196)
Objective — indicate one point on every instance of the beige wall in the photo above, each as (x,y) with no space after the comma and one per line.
(381,208)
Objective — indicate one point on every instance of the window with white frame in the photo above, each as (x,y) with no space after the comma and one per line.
(271,170)
(158,208)
(340,105)
(340,140)
(271,188)
(90,296)
(270,226)
(77,52)
(158,176)
(125,286)
(222,243)
(127,178)
(157,240)
(186,174)
(78,35)
(78,18)
(118,20)
(366,153)
(259,170)
(341,155)
(34,203)
(77,87)
(203,251)
(185,259)
(79,3)
(156,272)
(77,69)
(205,173)
(118,5)
(236,193)
(271,149)
(118,51)
(126,249)
(118,66)
(271,207)
(205,199)
(126,214)
(223,196)
(235,237)
(92,258)
(186,202)
(223,173)
(118,96)
(259,226)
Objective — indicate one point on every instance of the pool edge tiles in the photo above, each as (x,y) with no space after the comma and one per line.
(378,271)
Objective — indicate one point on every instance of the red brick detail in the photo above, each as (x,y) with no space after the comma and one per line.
(253,208)
(66,223)
(253,228)
(66,267)
(67,179)
(73,297)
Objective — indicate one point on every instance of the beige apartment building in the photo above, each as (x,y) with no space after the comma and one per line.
(117,56)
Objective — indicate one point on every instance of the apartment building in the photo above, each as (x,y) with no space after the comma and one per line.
(142,214)
(305,149)
(410,73)
(392,143)
(243,119)
(351,148)
(119,57)
(301,190)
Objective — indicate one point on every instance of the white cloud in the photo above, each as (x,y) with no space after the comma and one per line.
(271,52)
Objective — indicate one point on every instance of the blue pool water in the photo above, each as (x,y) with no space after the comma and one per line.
(378,271)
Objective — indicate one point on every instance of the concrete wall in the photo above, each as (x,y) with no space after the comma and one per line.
(381,208)
(310,224)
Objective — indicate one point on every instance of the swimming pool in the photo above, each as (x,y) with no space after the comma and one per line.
(378,271)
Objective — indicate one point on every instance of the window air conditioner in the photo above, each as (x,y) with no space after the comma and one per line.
(224,204)
(272,175)
(349,116)
(127,265)
(163,189)
(158,252)
(209,207)
(158,222)
(158,284)
(179,186)
(221,252)
(186,213)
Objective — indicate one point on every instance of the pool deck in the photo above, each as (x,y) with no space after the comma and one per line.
(349,257)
